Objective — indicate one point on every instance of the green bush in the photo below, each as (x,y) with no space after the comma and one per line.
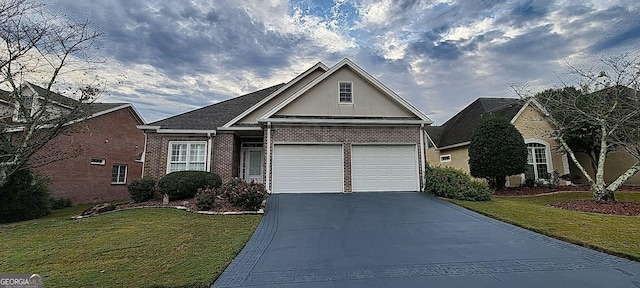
(497,150)
(452,183)
(185,184)
(248,196)
(60,203)
(205,199)
(142,190)
(24,197)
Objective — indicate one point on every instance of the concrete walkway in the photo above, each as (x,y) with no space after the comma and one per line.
(408,240)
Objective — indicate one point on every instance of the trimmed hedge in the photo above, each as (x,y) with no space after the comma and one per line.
(454,184)
(25,196)
(142,190)
(185,184)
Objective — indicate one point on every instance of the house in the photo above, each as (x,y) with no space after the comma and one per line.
(334,129)
(95,157)
(448,144)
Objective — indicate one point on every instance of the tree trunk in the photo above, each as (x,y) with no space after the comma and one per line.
(602,194)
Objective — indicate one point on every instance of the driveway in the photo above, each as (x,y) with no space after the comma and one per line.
(408,240)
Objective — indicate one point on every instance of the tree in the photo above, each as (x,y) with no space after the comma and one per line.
(606,110)
(497,150)
(38,46)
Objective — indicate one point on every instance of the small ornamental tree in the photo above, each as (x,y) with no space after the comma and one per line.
(497,150)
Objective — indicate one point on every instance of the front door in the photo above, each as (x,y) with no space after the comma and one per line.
(252,164)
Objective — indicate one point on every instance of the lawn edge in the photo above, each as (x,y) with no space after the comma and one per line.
(561,238)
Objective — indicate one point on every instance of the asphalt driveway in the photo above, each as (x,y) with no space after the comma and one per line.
(408,240)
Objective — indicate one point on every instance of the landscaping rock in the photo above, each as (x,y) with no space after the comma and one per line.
(100,208)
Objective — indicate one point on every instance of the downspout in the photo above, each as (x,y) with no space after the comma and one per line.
(268,172)
(144,154)
(422,158)
(209,143)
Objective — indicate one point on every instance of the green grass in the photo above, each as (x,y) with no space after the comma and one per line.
(135,248)
(613,234)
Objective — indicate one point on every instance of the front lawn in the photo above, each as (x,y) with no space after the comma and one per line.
(610,233)
(136,248)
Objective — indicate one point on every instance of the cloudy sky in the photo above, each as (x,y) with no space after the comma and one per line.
(168,57)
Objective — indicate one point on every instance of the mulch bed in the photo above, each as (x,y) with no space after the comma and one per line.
(221,205)
(617,208)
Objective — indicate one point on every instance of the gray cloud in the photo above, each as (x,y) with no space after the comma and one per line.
(198,52)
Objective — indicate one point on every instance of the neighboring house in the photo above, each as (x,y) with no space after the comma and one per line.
(449,143)
(96,157)
(332,129)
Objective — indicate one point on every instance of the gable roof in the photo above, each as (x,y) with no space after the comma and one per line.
(52,96)
(360,72)
(458,130)
(282,88)
(94,109)
(209,118)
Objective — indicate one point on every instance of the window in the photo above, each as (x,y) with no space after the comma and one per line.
(119,174)
(187,156)
(346,92)
(537,160)
(98,161)
(445,158)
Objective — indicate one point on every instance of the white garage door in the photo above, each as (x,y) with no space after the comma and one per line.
(384,168)
(307,168)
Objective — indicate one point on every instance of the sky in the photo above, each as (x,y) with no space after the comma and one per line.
(168,57)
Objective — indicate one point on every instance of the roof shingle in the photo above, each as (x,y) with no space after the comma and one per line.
(213,116)
(459,128)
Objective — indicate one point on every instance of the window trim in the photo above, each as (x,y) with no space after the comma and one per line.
(126,170)
(98,161)
(171,143)
(339,92)
(443,158)
(548,156)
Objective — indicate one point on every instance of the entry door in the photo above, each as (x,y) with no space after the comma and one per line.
(252,162)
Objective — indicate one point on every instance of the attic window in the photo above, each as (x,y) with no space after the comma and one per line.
(345,90)
(445,158)
(98,161)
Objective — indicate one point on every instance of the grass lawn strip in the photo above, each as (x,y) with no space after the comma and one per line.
(136,248)
(608,233)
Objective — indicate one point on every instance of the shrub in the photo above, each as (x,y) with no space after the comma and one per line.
(185,184)
(248,196)
(60,203)
(497,150)
(205,199)
(452,183)
(142,190)
(25,196)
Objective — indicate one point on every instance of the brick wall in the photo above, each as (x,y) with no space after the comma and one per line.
(112,136)
(346,135)
(226,156)
(155,164)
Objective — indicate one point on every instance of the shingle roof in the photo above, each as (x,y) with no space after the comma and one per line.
(213,116)
(53,96)
(459,128)
(93,108)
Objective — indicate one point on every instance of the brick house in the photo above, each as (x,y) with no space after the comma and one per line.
(448,144)
(332,129)
(96,157)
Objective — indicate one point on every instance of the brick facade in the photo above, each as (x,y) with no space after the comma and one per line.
(226,156)
(346,135)
(155,164)
(112,136)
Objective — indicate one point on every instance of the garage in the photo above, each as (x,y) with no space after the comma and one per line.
(307,168)
(384,168)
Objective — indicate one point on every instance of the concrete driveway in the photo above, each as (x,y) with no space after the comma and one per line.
(408,240)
